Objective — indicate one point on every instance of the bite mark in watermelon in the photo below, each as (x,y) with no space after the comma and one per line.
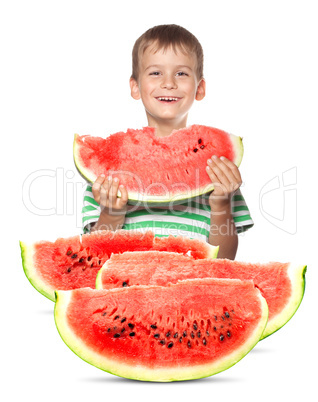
(282,284)
(192,329)
(157,169)
(71,263)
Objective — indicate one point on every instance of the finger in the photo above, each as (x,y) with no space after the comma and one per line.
(234,169)
(104,191)
(123,196)
(113,190)
(97,186)
(219,188)
(220,171)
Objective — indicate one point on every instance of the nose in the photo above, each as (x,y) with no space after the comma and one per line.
(168,82)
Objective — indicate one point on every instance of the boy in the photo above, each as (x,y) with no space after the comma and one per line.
(168,77)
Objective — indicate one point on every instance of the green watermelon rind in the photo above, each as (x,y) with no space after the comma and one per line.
(27,255)
(142,373)
(296,274)
(136,198)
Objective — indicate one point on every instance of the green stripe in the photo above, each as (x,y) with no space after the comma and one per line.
(86,218)
(241,218)
(91,200)
(166,225)
(238,198)
(89,208)
(240,208)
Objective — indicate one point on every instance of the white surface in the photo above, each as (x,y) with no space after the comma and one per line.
(66,70)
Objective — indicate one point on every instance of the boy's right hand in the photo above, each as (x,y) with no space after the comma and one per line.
(105,193)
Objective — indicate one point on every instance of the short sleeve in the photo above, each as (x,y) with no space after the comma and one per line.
(91,209)
(241,214)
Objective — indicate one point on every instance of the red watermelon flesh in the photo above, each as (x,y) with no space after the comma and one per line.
(71,263)
(191,329)
(282,284)
(157,169)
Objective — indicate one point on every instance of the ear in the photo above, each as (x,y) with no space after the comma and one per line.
(200,90)
(134,88)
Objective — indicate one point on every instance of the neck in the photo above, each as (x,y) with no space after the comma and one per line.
(163,129)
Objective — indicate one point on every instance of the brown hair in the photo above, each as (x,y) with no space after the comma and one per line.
(165,36)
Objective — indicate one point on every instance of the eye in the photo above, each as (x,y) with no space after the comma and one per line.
(181,73)
(154,73)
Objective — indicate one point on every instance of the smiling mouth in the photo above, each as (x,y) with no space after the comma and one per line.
(167,99)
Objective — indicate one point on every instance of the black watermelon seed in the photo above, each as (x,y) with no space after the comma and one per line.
(222,317)
(132,334)
(170,344)
(81,259)
(199,334)
(195,327)
(125,284)
(123,320)
(227,315)
(204,341)
(69,252)
(184,333)
(99,262)
(153,326)
(208,333)
(116,335)
(202,146)
(192,334)
(214,328)
(123,329)
(163,342)
(228,334)
(74,256)
(168,334)
(216,318)
(176,335)
(131,326)
(69,269)
(195,150)
(109,329)
(180,339)
(156,335)
(104,313)
(199,140)
(189,344)
(89,258)
(221,337)
(116,318)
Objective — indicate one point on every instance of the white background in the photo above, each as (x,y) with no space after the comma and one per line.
(65,68)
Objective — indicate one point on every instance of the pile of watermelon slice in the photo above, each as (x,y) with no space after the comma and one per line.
(160,309)
(151,308)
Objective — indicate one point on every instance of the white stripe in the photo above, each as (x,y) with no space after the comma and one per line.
(173,232)
(168,219)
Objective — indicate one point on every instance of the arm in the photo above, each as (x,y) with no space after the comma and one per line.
(113,208)
(226,179)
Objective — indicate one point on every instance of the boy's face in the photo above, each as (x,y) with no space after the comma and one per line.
(167,85)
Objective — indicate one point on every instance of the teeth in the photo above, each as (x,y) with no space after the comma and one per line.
(168,99)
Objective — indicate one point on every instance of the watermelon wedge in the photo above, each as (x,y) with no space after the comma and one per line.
(157,169)
(192,329)
(282,284)
(71,263)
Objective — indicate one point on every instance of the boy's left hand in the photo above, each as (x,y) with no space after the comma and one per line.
(226,179)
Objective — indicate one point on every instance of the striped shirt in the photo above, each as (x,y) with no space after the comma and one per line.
(191,218)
